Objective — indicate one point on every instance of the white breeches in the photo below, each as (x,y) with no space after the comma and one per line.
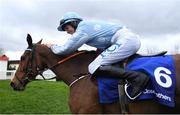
(124,44)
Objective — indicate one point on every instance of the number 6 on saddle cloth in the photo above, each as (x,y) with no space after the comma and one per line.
(161,71)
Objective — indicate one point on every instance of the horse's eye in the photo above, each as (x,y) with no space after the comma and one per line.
(22,58)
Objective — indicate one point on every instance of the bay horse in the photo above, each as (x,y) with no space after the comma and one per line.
(83,97)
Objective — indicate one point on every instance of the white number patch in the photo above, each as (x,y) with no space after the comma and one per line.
(166,72)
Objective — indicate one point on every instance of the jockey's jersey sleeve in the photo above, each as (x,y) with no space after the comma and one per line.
(94,33)
(73,43)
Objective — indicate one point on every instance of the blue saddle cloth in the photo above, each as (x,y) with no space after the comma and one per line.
(162,73)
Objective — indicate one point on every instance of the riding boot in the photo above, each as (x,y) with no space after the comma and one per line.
(137,80)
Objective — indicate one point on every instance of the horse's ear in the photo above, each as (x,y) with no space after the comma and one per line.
(39,41)
(29,40)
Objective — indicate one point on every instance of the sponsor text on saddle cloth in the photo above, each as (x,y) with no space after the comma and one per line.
(161,70)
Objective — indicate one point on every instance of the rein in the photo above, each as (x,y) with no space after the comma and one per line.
(66,59)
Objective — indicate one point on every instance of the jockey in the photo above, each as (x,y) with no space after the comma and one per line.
(116,41)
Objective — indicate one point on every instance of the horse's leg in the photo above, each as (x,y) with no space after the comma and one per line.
(113,108)
(84,97)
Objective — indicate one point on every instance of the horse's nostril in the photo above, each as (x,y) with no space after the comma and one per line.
(12,84)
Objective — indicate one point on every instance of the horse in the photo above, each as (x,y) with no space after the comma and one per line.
(72,69)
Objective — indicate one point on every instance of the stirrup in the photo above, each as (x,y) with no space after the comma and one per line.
(131,98)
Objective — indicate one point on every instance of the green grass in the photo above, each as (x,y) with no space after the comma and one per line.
(45,97)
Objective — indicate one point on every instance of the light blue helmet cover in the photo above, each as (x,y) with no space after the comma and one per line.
(68,17)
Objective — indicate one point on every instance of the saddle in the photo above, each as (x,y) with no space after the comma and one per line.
(152,55)
(129,59)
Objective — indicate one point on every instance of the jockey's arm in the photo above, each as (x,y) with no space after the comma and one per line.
(73,43)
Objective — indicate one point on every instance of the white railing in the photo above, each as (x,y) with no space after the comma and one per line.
(10,74)
(47,74)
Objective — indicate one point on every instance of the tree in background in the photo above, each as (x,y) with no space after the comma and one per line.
(2,52)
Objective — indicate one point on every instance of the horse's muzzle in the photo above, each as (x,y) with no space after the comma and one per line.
(13,85)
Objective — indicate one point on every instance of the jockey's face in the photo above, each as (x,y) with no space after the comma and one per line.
(69,29)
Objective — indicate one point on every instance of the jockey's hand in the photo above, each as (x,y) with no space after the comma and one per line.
(48,44)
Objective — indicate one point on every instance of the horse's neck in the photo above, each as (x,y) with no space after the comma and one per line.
(49,60)
(72,67)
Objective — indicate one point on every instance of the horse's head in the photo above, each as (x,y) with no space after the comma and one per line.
(29,67)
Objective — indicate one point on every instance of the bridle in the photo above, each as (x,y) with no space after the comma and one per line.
(29,69)
(30,72)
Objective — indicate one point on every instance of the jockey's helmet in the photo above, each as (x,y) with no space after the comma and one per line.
(68,18)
